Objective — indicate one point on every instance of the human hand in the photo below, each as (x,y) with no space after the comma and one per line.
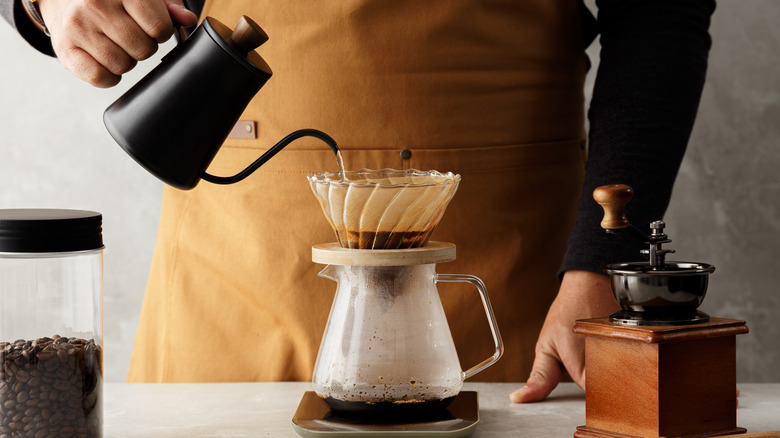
(99,40)
(581,295)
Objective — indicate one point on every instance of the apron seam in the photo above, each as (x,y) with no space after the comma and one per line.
(537,155)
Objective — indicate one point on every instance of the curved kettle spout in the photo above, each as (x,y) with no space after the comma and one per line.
(270,153)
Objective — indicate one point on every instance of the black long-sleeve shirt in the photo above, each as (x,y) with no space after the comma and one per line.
(652,69)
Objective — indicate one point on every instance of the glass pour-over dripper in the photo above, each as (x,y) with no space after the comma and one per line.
(386,208)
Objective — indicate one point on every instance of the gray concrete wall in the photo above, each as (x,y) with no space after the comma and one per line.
(726,204)
(54,152)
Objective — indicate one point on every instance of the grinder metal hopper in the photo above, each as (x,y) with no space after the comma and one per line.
(655,292)
(386,208)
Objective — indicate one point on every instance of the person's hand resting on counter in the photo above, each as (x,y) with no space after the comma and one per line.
(582,295)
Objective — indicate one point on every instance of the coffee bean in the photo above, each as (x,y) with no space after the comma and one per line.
(22,376)
(62,354)
(22,396)
(50,387)
(56,418)
(45,354)
(51,365)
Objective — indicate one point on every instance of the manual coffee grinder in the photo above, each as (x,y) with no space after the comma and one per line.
(387,362)
(658,367)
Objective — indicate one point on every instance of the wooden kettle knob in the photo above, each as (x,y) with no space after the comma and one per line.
(613,199)
(247,35)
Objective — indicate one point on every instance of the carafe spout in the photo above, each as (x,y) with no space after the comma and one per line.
(328,272)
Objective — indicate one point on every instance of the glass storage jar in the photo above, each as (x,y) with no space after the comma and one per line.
(51,293)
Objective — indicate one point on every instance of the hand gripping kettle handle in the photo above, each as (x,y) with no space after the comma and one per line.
(459,278)
(270,153)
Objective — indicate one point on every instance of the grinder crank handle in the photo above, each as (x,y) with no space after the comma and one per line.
(613,199)
(499,344)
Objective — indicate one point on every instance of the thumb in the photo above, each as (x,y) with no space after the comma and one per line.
(180,14)
(545,375)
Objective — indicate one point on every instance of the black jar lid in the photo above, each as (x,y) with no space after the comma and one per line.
(49,230)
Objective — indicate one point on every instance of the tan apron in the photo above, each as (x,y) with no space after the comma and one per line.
(491,90)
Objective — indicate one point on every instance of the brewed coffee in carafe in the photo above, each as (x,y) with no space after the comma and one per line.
(388,345)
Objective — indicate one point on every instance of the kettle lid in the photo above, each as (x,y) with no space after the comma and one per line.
(240,43)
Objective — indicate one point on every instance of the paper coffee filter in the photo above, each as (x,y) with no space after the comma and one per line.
(386,208)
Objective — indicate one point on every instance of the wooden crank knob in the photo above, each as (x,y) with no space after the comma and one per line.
(613,199)
(247,35)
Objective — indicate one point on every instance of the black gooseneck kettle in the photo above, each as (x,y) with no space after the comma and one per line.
(175,119)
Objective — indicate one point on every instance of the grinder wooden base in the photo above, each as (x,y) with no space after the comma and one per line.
(660,381)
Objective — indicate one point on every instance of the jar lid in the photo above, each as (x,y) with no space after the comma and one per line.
(49,230)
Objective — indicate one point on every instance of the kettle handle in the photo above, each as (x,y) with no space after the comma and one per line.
(460,278)
(270,153)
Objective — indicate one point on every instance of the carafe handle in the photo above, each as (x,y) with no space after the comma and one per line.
(460,278)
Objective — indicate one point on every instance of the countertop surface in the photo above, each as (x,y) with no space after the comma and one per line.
(266,410)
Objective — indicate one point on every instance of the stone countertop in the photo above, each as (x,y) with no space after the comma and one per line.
(266,410)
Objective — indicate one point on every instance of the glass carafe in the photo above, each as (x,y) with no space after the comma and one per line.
(387,345)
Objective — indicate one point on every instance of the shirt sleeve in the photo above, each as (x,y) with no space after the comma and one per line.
(653,64)
(13,12)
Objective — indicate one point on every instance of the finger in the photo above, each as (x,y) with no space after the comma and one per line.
(100,49)
(111,56)
(130,38)
(152,19)
(545,375)
(86,68)
(181,14)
